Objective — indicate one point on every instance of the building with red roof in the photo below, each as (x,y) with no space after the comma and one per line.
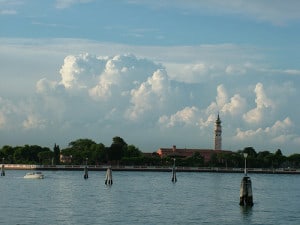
(205,153)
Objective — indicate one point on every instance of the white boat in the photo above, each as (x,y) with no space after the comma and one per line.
(34,175)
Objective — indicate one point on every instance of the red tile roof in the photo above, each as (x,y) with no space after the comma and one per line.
(185,152)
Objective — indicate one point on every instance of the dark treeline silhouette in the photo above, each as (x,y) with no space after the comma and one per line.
(83,151)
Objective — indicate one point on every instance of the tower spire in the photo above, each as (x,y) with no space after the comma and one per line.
(218,134)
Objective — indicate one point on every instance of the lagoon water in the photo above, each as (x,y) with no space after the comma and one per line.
(64,197)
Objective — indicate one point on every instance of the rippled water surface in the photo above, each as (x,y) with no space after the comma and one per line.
(64,197)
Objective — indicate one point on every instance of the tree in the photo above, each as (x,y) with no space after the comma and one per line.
(236,159)
(119,141)
(56,155)
(132,151)
(251,157)
(46,157)
(278,158)
(8,153)
(117,149)
(28,154)
(264,159)
(250,151)
(294,160)
(98,154)
(81,144)
(213,160)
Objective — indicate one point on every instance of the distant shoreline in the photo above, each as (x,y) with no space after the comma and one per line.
(149,168)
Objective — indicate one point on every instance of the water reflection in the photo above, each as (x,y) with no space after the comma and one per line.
(246,212)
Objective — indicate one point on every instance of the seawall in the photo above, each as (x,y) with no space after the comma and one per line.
(150,168)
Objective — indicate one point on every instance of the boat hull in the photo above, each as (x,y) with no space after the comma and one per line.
(34,176)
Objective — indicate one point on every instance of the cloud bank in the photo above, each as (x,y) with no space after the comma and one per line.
(138,98)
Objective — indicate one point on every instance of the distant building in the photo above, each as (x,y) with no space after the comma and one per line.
(206,153)
(186,152)
(65,158)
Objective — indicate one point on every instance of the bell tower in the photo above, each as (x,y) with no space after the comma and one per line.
(218,134)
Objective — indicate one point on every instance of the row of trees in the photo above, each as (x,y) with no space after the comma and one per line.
(78,151)
(119,152)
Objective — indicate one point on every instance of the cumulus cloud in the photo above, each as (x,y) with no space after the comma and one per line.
(199,72)
(280,126)
(233,106)
(279,133)
(81,71)
(263,103)
(92,95)
(186,116)
(117,87)
(45,86)
(222,97)
(206,116)
(121,73)
(150,95)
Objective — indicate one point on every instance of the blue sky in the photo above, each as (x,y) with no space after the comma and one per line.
(155,73)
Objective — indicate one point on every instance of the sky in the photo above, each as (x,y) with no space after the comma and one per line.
(155,73)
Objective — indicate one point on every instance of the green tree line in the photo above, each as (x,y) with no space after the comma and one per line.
(83,151)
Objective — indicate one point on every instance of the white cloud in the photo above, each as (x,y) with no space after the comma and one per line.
(7,109)
(205,117)
(222,97)
(236,105)
(62,4)
(280,127)
(121,73)
(278,130)
(8,12)
(12,115)
(81,72)
(45,86)
(292,72)
(263,104)
(208,122)
(187,116)
(233,106)
(192,73)
(235,69)
(34,122)
(111,78)
(144,94)
(150,95)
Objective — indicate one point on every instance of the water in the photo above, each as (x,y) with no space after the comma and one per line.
(64,197)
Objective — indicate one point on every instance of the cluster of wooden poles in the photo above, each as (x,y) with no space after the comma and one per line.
(246,197)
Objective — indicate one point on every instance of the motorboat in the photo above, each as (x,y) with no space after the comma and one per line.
(34,175)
